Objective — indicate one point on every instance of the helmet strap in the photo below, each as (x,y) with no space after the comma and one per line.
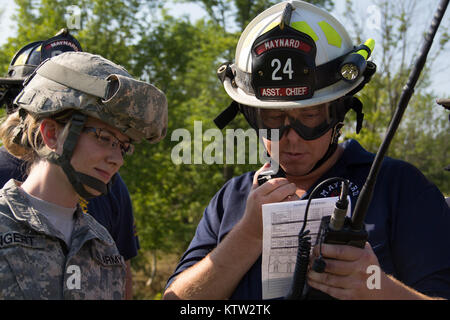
(227,115)
(350,102)
(336,133)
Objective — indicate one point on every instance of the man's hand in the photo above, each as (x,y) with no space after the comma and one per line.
(346,272)
(274,190)
(217,275)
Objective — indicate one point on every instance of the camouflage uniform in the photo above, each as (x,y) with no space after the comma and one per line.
(35,262)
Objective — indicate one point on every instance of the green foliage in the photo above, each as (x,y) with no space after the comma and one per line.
(423,136)
(243,10)
(108,27)
(179,57)
(182,57)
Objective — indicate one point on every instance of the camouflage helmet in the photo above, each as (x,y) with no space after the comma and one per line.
(91,86)
(98,88)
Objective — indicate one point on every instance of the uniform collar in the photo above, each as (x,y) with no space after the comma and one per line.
(22,209)
(354,154)
(85,226)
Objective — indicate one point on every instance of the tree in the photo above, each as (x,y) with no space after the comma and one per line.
(181,58)
(108,28)
(242,11)
(423,136)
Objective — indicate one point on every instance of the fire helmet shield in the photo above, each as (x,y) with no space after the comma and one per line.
(59,44)
(30,56)
(283,65)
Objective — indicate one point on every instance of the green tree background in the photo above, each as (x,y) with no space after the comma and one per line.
(181,57)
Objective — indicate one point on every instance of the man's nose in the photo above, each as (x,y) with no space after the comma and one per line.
(291,135)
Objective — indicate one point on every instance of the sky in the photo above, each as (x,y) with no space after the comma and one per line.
(441,76)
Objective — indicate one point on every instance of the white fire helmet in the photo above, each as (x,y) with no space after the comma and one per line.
(295,55)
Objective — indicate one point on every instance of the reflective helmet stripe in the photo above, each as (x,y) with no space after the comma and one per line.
(304,27)
(333,37)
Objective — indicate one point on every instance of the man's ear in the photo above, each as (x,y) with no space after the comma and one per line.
(50,131)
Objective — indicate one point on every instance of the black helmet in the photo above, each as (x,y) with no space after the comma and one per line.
(27,59)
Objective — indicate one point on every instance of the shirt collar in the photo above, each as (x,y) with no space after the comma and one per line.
(25,213)
(354,153)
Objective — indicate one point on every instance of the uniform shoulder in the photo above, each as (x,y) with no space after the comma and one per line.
(404,171)
(355,154)
(8,222)
(243,181)
(233,191)
(239,185)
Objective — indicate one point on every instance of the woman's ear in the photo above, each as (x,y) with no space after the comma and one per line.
(50,131)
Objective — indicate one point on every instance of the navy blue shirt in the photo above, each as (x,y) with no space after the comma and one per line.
(113,211)
(408,222)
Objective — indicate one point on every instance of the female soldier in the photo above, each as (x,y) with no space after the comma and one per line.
(77,116)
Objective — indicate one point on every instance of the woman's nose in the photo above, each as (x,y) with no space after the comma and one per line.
(115,157)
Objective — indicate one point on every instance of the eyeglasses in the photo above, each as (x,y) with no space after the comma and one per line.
(107,139)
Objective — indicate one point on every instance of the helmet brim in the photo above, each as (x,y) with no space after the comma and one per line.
(331,93)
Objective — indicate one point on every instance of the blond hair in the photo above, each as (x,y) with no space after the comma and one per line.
(24,145)
(22,138)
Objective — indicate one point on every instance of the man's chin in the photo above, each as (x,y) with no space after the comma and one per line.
(295,170)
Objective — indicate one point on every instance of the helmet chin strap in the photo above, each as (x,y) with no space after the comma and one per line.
(349,102)
(76,179)
(332,146)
